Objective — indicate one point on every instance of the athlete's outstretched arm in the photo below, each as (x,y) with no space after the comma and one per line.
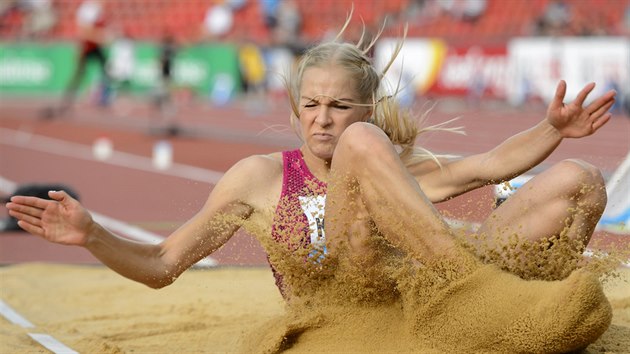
(64,220)
(524,150)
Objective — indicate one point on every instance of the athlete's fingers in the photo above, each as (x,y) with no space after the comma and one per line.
(601,121)
(607,99)
(25,209)
(30,228)
(33,220)
(581,97)
(561,90)
(31,201)
(602,110)
(60,196)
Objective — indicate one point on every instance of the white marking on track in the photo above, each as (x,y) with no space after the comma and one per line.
(48,341)
(10,314)
(42,143)
(52,344)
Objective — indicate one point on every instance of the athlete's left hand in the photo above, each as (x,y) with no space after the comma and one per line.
(574,121)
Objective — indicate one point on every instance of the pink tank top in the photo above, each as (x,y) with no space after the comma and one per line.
(299,217)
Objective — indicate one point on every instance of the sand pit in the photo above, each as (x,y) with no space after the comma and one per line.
(91,309)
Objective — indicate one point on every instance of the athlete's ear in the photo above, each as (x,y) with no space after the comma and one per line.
(368,115)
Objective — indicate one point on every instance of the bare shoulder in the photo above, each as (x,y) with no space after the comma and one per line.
(255,179)
(264,166)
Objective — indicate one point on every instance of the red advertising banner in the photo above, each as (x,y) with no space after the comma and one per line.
(473,71)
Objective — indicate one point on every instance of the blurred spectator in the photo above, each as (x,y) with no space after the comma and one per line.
(168,51)
(421,11)
(284,22)
(269,10)
(287,31)
(91,28)
(472,10)
(467,10)
(39,16)
(121,64)
(218,20)
(253,71)
(88,13)
(555,18)
(121,58)
(40,19)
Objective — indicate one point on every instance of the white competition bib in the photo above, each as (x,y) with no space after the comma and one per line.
(313,207)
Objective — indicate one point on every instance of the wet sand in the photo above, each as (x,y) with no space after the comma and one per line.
(91,309)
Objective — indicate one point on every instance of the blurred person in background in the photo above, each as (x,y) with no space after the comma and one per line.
(120,67)
(253,70)
(92,33)
(163,95)
(40,17)
(218,21)
(465,10)
(40,20)
(287,27)
(555,19)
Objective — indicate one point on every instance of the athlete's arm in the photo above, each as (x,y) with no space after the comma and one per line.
(522,151)
(64,220)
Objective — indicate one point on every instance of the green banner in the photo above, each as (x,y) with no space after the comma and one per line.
(210,70)
(35,68)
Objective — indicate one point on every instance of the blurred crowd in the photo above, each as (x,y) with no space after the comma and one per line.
(562,18)
(283,21)
(39,17)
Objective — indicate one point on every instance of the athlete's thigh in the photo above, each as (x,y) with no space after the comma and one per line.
(536,210)
(347,219)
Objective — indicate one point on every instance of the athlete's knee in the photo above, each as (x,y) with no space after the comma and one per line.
(361,140)
(584,181)
(580,172)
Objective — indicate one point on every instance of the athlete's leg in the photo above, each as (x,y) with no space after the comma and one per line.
(568,200)
(370,183)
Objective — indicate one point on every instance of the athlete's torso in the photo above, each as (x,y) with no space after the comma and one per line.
(299,216)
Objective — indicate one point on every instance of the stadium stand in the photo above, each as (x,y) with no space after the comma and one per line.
(500,19)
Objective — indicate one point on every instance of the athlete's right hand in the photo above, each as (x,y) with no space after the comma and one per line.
(61,220)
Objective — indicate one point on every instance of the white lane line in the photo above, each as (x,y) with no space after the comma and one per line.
(50,343)
(10,314)
(130,231)
(42,143)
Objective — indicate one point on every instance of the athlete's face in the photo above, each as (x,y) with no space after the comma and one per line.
(324,109)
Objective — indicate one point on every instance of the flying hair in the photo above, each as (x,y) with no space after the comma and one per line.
(399,123)
(366,49)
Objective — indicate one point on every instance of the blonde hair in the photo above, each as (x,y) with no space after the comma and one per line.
(400,125)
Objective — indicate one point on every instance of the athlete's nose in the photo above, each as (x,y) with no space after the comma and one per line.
(323,116)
